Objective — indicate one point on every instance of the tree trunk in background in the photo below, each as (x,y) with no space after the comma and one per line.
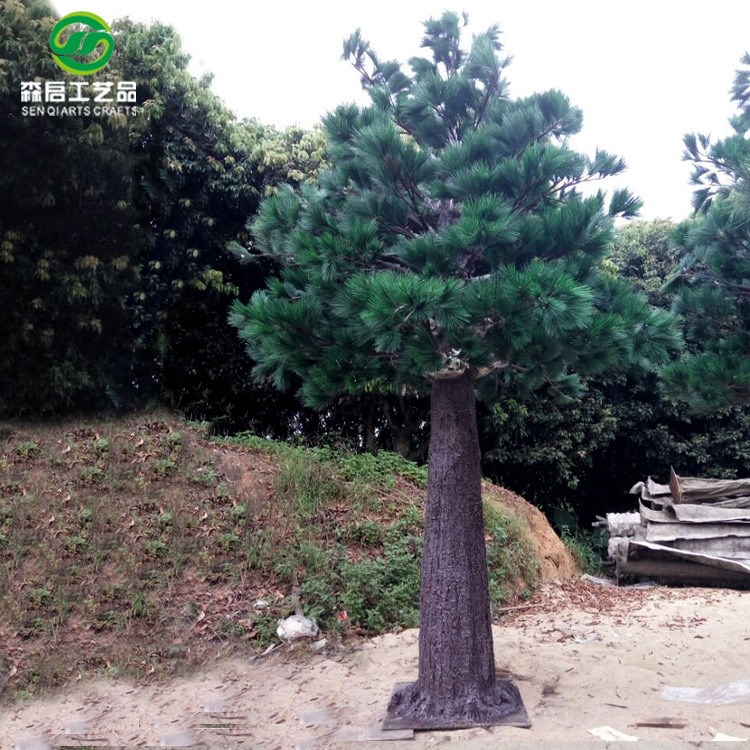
(370,438)
(400,424)
(401,442)
(457,686)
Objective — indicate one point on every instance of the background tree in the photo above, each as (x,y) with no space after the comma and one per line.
(448,250)
(114,231)
(199,175)
(645,254)
(714,283)
(69,242)
(577,460)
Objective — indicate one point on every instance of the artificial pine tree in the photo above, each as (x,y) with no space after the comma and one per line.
(448,251)
(714,280)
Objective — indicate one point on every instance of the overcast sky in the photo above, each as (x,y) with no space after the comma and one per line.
(643,72)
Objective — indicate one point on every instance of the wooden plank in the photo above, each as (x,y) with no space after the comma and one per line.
(674,486)
(729,547)
(706,513)
(690,513)
(374,733)
(668,532)
(639,548)
(679,570)
(663,722)
(655,515)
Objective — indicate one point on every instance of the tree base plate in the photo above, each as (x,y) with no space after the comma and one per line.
(516,715)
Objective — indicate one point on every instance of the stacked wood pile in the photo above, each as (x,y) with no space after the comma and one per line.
(690,530)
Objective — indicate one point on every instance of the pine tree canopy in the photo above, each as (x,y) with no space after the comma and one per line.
(450,234)
(714,278)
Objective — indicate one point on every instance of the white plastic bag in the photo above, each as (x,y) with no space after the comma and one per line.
(719,695)
(297,626)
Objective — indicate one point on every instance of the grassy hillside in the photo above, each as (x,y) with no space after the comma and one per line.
(141,547)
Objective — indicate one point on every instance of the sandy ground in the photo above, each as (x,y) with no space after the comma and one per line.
(583,655)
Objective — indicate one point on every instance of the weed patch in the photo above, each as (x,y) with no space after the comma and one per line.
(587,547)
(304,484)
(513,568)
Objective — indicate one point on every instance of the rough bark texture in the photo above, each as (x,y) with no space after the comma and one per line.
(457,686)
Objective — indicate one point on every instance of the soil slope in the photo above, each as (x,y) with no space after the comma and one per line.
(126,545)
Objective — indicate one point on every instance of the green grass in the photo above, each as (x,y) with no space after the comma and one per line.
(369,568)
(305,483)
(587,548)
(379,471)
(513,567)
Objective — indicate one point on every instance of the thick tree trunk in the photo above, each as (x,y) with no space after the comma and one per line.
(457,686)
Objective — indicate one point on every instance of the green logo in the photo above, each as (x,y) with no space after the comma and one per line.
(81,43)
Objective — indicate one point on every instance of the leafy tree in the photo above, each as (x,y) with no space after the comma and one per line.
(114,231)
(550,452)
(290,156)
(576,460)
(199,175)
(448,250)
(645,254)
(714,282)
(69,241)
(547,451)
(205,369)
(579,459)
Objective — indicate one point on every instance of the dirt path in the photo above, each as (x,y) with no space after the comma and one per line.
(584,656)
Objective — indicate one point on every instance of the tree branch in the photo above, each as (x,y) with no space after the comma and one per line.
(482,108)
(496,366)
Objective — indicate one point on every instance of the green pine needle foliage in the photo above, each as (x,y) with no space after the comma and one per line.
(713,282)
(452,232)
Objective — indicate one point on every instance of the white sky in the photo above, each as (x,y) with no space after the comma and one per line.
(643,72)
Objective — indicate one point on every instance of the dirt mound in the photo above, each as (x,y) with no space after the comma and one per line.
(555,560)
(139,547)
(556,563)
